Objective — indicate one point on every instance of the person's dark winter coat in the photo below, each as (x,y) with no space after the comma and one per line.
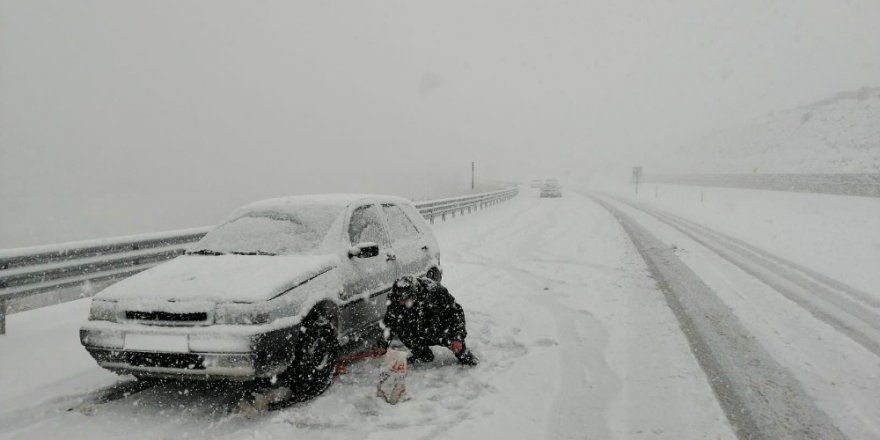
(422,313)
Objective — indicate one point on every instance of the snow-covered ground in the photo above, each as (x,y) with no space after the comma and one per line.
(838,236)
(575,339)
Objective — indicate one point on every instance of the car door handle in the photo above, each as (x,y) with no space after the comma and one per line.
(391,257)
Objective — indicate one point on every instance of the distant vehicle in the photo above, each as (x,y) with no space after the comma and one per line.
(278,290)
(551,189)
(537,183)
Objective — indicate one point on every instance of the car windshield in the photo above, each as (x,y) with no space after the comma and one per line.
(271,232)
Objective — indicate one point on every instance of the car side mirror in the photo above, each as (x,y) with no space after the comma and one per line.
(363,250)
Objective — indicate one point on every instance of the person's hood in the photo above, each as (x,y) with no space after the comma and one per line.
(221,278)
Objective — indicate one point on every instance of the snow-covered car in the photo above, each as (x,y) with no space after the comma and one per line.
(278,290)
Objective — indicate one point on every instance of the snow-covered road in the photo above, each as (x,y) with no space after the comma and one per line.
(821,335)
(576,342)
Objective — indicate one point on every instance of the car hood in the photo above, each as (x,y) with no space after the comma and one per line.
(220,278)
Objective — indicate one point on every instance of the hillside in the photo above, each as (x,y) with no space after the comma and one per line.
(840,134)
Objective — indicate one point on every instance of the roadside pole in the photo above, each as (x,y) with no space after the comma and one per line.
(472,175)
(637,177)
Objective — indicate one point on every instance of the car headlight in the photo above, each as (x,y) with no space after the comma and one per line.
(241,314)
(103,311)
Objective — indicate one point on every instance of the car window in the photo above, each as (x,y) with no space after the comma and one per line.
(400,226)
(366,226)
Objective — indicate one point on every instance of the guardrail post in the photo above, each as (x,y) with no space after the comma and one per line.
(443,216)
(2,316)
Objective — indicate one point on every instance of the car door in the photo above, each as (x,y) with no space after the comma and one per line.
(411,246)
(367,280)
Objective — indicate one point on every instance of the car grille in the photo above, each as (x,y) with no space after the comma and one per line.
(167,316)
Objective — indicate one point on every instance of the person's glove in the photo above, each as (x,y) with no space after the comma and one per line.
(456,347)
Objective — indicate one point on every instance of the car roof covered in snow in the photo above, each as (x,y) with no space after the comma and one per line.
(341,200)
(314,210)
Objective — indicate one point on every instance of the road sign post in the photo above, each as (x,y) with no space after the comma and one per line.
(637,177)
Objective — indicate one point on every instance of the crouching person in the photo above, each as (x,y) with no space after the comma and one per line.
(421,313)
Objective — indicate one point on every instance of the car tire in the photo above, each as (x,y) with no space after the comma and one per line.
(314,357)
(434,275)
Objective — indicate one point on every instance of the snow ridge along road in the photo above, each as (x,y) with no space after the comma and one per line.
(760,397)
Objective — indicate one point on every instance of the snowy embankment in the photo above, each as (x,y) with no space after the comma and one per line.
(575,340)
(836,135)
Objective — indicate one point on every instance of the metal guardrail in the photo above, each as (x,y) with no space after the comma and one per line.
(854,184)
(443,207)
(85,267)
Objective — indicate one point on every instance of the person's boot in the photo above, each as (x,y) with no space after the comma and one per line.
(420,355)
(468,358)
(463,354)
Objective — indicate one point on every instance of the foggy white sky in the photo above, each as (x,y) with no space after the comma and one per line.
(164,103)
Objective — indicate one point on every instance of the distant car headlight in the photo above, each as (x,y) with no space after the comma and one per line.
(241,314)
(103,311)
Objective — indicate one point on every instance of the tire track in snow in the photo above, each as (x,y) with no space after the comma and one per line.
(577,412)
(850,311)
(761,399)
(586,382)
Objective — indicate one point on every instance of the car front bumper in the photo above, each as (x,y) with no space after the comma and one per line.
(211,352)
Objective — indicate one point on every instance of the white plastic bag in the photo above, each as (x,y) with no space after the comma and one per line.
(392,376)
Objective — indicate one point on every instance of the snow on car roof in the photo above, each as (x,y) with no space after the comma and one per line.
(341,200)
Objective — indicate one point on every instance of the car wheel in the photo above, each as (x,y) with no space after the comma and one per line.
(314,357)
(434,275)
